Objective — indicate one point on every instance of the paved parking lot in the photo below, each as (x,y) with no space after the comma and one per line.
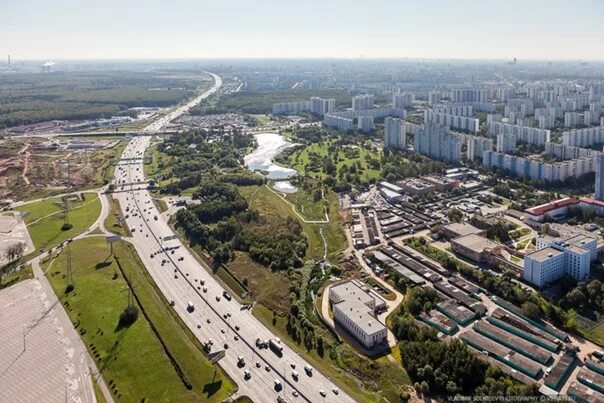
(37,359)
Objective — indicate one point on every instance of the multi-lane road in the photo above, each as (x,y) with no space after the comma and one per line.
(184,281)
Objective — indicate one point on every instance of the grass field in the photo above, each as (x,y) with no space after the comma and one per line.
(131,359)
(269,205)
(266,287)
(39,209)
(45,230)
(309,159)
(111,222)
(306,204)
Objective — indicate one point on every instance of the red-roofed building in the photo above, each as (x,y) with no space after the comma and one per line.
(559,208)
(555,209)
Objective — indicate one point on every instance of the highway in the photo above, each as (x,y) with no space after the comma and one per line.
(183,280)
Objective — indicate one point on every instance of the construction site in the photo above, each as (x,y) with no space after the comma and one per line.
(36,167)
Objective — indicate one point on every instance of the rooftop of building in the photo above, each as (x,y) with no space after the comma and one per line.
(544,254)
(475,242)
(416,184)
(355,297)
(462,228)
(556,204)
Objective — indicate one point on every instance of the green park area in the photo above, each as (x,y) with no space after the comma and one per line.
(270,204)
(133,357)
(46,219)
(363,160)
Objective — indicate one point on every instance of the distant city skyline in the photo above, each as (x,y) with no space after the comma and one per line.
(153,29)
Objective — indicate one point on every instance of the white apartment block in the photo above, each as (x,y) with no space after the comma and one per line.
(547,122)
(365,123)
(572,119)
(599,167)
(469,95)
(584,137)
(403,100)
(476,106)
(436,142)
(455,109)
(434,97)
(538,170)
(341,123)
(569,152)
(394,133)
(476,146)
(290,107)
(506,143)
(354,307)
(524,134)
(321,106)
(591,118)
(472,125)
(377,113)
(362,102)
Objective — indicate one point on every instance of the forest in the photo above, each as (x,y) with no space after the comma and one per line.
(30,98)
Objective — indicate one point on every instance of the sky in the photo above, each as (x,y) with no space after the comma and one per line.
(441,29)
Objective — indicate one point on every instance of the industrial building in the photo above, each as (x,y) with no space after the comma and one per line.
(474,247)
(354,307)
(458,229)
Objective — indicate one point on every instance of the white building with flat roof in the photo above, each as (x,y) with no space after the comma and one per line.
(556,257)
(354,307)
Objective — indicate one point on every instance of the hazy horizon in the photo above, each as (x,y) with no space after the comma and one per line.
(337,29)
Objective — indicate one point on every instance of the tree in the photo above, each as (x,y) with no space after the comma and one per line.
(14,252)
(454,215)
(531,310)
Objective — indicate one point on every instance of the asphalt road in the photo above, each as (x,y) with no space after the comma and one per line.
(182,279)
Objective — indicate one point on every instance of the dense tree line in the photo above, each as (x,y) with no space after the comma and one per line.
(279,244)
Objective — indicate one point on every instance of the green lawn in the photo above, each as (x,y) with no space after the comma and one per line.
(306,204)
(131,359)
(42,208)
(111,222)
(47,232)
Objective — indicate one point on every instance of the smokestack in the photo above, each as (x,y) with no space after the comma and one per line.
(9,60)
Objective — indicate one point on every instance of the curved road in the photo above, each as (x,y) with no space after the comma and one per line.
(182,279)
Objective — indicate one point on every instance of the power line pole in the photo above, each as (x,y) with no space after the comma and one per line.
(66,209)
(69,271)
